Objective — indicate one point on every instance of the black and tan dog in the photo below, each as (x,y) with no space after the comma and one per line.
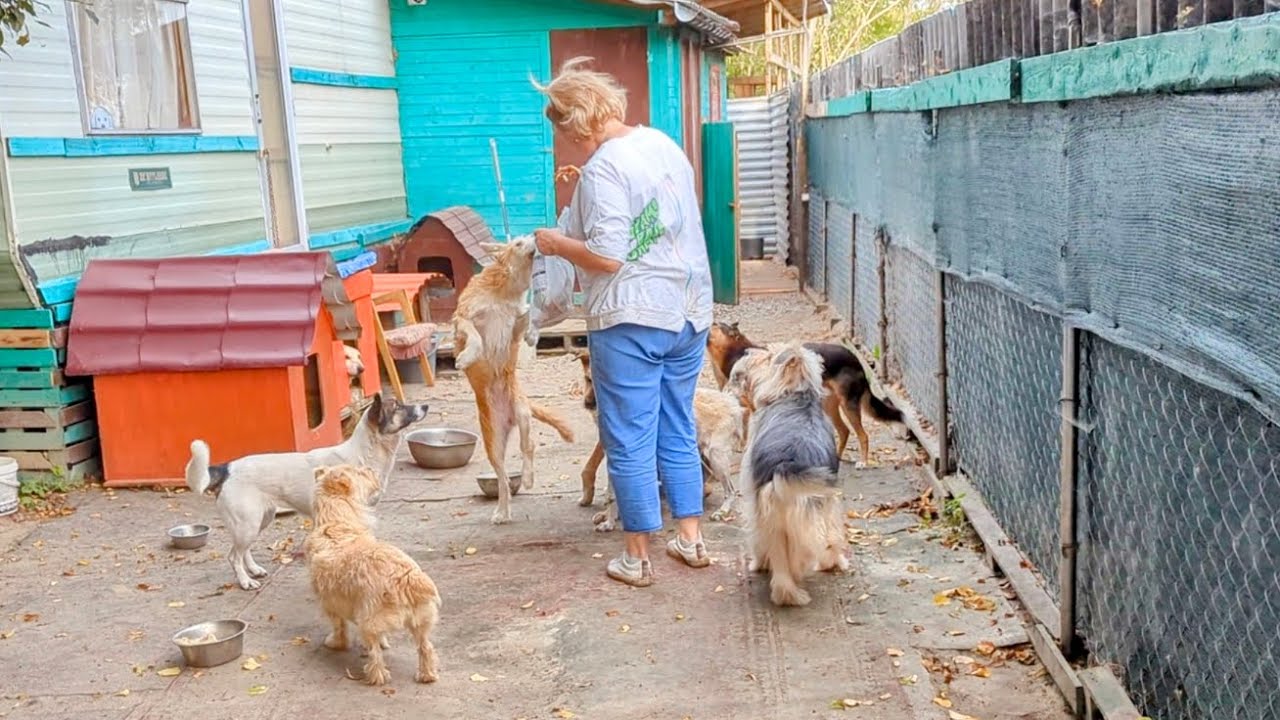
(842,374)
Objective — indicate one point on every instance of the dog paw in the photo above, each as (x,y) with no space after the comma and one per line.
(250,584)
(376,674)
(258,572)
(859,465)
(790,596)
(333,642)
(756,565)
(526,480)
(500,517)
(586,500)
(603,523)
(384,642)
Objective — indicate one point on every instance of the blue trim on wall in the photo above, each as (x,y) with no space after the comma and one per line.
(311,76)
(129,145)
(665,83)
(361,234)
(59,292)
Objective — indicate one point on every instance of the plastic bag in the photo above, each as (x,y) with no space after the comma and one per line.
(552,290)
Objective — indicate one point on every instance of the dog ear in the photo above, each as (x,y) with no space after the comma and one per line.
(337,485)
(492,248)
(375,409)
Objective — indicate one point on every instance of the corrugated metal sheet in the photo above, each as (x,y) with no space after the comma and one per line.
(763,169)
(203,313)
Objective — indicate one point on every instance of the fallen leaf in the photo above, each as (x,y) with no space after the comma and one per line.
(611,613)
(953,715)
(30,617)
(963,660)
(563,713)
(886,696)
(624,628)
(7,634)
(889,541)
(286,560)
(299,640)
(597,556)
(470,551)
(955,633)
(679,617)
(250,664)
(257,689)
(942,702)
(985,648)
(478,678)
(894,652)
(177,604)
(82,563)
(169,672)
(527,605)
(140,670)
(136,635)
(719,588)
(981,671)
(942,598)
(908,680)
(123,693)
(388,691)
(863,596)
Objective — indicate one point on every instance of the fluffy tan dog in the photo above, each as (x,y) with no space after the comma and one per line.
(488,327)
(791,467)
(359,579)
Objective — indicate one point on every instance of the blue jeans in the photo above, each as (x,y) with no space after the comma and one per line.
(644,381)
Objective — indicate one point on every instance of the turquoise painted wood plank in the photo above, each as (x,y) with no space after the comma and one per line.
(360,236)
(61,313)
(16,379)
(44,397)
(33,318)
(311,76)
(28,358)
(252,248)
(48,439)
(665,83)
(449,108)
(58,290)
(345,252)
(130,145)
(462,17)
(1239,53)
(859,102)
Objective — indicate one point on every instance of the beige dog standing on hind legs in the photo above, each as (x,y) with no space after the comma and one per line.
(489,325)
(364,581)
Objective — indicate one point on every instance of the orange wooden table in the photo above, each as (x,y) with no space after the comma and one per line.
(384,283)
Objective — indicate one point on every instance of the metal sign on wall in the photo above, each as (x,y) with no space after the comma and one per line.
(150,179)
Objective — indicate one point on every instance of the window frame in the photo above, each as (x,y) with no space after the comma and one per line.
(77,62)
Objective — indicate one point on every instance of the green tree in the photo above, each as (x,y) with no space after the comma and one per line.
(14,16)
(850,27)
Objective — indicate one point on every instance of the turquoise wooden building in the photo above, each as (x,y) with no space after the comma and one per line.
(220,126)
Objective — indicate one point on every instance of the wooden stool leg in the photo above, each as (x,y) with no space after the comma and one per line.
(426,370)
(389,362)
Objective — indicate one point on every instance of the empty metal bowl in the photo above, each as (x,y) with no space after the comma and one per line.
(442,448)
(488,482)
(187,537)
(211,643)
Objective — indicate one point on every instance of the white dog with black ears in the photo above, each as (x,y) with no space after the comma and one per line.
(250,489)
(792,467)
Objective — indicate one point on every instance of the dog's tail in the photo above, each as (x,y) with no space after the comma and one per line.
(421,591)
(544,415)
(882,410)
(198,467)
(788,525)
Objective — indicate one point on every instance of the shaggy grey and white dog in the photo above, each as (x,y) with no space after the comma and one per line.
(249,490)
(792,466)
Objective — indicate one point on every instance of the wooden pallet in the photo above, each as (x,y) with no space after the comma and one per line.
(564,337)
(47,422)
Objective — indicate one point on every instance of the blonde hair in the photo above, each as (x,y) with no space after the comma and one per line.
(580,101)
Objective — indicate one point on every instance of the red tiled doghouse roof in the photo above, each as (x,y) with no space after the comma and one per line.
(203,313)
(468,228)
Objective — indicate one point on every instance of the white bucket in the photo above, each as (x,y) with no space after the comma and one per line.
(8,485)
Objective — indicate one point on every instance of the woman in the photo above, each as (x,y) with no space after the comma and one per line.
(634,232)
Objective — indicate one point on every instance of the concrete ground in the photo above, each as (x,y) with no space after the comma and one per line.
(530,626)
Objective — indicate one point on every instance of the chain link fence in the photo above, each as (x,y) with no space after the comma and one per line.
(816,267)
(1179,538)
(1004,378)
(911,348)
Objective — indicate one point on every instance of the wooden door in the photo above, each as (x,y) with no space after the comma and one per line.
(621,52)
(720,209)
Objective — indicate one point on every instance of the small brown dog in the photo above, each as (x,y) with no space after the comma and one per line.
(719,420)
(359,579)
(488,327)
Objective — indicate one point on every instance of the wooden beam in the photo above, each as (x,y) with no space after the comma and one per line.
(1105,696)
(1064,676)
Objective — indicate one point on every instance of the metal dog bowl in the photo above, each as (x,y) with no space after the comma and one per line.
(488,482)
(188,537)
(211,643)
(442,448)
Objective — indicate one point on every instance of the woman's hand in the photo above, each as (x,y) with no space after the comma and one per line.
(548,240)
